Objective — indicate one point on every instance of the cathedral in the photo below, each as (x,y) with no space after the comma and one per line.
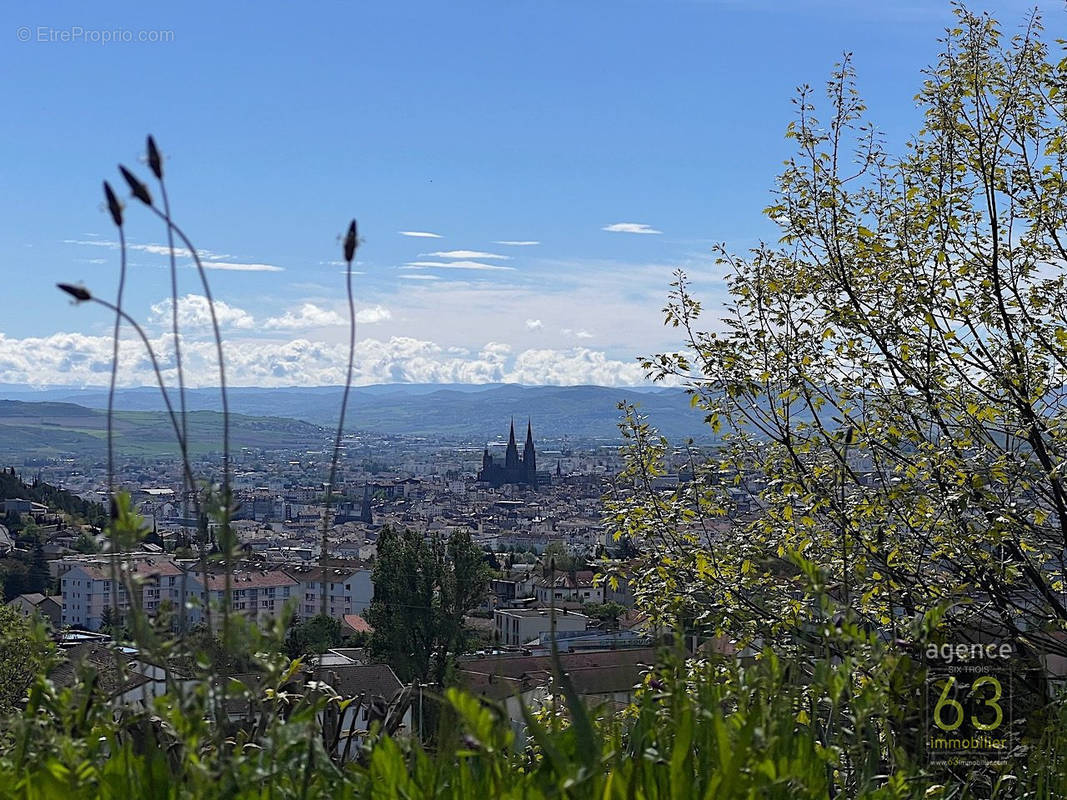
(514,470)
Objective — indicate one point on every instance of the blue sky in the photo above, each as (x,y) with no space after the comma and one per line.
(482,123)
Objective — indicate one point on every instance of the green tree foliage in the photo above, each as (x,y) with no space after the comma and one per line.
(422,590)
(892,377)
(14,577)
(557,557)
(889,386)
(312,636)
(108,620)
(607,613)
(86,544)
(24,652)
(39,575)
(12,486)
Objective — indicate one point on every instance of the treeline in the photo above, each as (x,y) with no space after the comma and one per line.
(12,487)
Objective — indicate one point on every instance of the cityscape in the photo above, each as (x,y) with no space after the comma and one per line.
(538,401)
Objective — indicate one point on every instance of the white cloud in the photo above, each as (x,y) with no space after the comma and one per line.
(581,333)
(420,234)
(209,259)
(194,312)
(420,277)
(233,267)
(533,325)
(517,244)
(77,359)
(630,227)
(368,316)
(465,254)
(308,315)
(475,265)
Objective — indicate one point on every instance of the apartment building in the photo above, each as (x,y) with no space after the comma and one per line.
(86,586)
(348,589)
(258,594)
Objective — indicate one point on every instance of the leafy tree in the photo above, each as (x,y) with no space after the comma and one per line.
(15,574)
(86,544)
(23,654)
(314,635)
(892,376)
(558,557)
(13,521)
(608,613)
(422,590)
(39,575)
(889,385)
(110,623)
(29,530)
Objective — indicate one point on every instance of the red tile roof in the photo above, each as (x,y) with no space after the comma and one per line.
(357,623)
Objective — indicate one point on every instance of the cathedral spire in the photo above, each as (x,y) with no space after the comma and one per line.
(529,456)
(511,457)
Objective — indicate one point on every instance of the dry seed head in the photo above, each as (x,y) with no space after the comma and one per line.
(139,190)
(350,242)
(155,162)
(79,293)
(113,204)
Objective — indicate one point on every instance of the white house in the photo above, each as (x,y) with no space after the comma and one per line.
(575,588)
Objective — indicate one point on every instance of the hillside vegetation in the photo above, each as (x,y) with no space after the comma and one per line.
(50,430)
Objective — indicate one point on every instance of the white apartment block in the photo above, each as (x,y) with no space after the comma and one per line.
(258,595)
(348,590)
(86,586)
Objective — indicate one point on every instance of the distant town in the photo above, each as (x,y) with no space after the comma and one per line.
(518,497)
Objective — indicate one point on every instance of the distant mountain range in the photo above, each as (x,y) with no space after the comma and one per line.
(459,411)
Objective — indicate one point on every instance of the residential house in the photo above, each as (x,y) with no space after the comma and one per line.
(599,678)
(572,588)
(46,606)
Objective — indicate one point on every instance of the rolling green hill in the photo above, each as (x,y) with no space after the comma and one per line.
(50,430)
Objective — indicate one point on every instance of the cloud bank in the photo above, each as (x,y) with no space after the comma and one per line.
(85,360)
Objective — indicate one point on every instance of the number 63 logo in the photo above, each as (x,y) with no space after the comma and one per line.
(989,698)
